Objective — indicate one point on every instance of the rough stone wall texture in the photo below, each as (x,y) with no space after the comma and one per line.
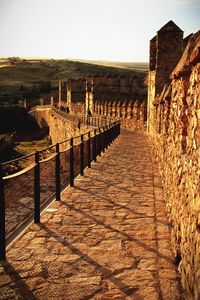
(132,114)
(59,128)
(165,51)
(78,108)
(75,90)
(113,87)
(175,130)
(152,54)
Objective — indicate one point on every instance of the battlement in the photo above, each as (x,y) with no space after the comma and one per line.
(166,49)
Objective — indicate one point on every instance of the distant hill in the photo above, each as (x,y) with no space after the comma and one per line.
(24,78)
(135,66)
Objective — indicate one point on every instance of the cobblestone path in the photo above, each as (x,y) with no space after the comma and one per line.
(108,238)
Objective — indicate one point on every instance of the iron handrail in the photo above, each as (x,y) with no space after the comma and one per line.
(19,173)
(95,144)
(48,158)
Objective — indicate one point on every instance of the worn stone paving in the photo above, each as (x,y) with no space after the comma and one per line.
(108,237)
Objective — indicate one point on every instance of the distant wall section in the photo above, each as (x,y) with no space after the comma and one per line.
(59,128)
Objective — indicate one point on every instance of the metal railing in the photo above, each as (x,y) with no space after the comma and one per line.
(25,194)
(92,121)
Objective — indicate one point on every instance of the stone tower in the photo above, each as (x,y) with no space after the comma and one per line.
(166,49)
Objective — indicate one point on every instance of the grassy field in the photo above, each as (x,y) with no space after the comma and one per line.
(21,149)
(19,76)
(134,66)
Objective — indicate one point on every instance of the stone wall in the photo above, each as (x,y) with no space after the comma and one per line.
(111,96)
(132,114)
(116,87)
(59,128)
(79,95)
(165,51)
(75,89)
(174,125)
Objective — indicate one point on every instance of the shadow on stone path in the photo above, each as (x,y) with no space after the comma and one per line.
(108,237)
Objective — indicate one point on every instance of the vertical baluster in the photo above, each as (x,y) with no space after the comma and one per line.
(103,139)
(82,156)
(37,188)
(100,143)
(57,172)
(94,146)
(71,162)
(89,150)
(2,217)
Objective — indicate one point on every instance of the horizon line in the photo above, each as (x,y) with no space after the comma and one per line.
(70,59)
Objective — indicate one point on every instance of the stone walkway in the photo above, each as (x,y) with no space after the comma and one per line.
(108,238)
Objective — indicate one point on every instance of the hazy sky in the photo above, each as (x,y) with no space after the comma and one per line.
(117,30)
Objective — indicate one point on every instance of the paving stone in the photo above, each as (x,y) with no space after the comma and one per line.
(108,238)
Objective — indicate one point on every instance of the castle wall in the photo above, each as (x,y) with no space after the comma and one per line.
(175,132)
(132,114)
(59,128)
(165,51)
(151,97)
(113,87)
(76,96)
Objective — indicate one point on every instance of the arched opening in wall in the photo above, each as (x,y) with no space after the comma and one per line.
(99,108)
(131,110)
(138,112)
(126,112)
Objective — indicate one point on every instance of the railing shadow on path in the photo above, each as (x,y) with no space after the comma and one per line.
(105,272)
(131,192)
(124,234)
(140,215)
(130,177)
(110,200)
(19,289)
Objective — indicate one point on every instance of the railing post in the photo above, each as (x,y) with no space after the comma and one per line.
(106,137)
(110,134)
(89,151)
(2,217)
(37,188)
(116,128)
(82,156)
(103,139)
(72,162)
(100,144)
(113,133)
(57,173)
(95,146)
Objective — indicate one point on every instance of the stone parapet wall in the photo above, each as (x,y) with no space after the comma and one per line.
(175,131)
(78,108)
(99,88)
(59,128)
(132,114)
